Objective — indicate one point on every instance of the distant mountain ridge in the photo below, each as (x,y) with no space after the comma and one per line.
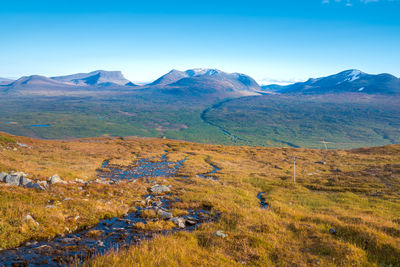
(349,81)
(199,82)
(99,77)
(207,81)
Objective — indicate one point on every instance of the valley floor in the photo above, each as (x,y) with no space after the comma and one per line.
(343,209)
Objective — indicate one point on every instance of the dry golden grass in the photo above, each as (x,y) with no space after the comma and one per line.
(356,193)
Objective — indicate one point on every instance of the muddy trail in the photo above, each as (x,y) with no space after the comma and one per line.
(113,233)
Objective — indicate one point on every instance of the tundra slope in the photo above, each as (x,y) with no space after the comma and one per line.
(353,192)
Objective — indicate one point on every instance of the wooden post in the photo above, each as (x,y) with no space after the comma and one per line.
(294,170)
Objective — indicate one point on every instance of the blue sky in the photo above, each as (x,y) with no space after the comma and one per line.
(281,40)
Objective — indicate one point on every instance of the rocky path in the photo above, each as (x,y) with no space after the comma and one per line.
(116,232)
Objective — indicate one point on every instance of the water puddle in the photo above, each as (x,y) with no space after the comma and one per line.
(37,125)
(209,175)
(262,202)
(143,168)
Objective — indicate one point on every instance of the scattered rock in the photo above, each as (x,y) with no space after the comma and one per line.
(34,186)
(24,181)
(2,176)
(100,243)
(42,183)
(220,233)
(22,145)
(29,218)
(12,179)
(159,189)
(332,231)
(179,221)
(164,214)
(55,179)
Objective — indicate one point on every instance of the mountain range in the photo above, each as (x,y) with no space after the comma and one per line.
(200,82)
(192,82)
(349,81)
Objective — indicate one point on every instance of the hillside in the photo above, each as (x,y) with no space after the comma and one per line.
(342,210)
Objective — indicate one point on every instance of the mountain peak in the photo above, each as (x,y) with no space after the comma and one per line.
(98,77)
(353,80)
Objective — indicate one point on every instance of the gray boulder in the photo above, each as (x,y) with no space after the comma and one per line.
(159,189)
(12,179)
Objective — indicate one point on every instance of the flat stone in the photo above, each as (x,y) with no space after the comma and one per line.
(159,189)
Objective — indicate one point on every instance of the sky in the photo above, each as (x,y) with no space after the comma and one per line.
(274,41)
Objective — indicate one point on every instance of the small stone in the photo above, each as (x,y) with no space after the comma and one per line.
(29,218)
(42,183)
(179,221)
(34,186)
(220,233)
(164,214)
(100,243)
(159,189)
(55,179)
(332,231)
(3,175)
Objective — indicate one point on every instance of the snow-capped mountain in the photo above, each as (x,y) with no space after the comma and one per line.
(347,81)
(207,81)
